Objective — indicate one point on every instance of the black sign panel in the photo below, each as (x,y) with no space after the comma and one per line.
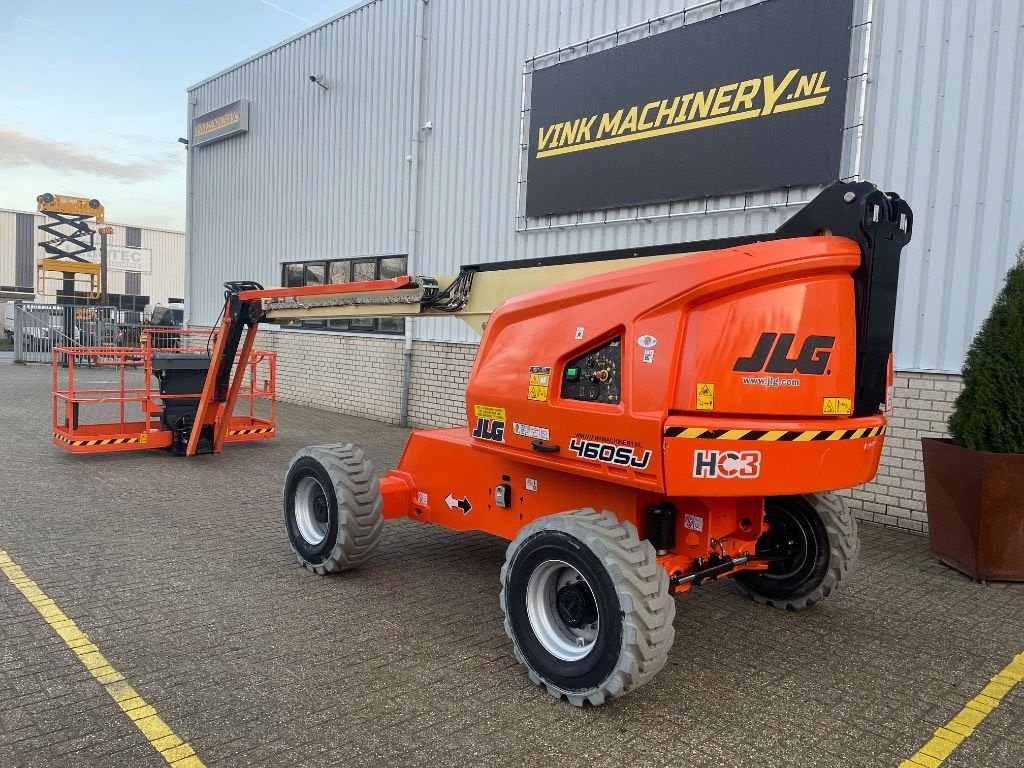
(750,100)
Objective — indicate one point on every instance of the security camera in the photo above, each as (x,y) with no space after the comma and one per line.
(318,80)
(313,78)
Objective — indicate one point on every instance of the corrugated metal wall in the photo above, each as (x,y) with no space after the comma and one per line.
(944,129)
(320,174)
(168,247)
(323,174)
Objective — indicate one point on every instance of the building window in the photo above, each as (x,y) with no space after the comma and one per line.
(299,273)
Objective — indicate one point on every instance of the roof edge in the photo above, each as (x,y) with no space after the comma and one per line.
(319,25)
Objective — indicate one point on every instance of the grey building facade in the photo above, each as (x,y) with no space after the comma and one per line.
(394,138)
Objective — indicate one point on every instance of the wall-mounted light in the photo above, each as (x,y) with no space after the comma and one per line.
(319,80)
(183,141)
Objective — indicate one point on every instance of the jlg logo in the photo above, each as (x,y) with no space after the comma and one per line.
(771,355)
(486,429)
(728,464)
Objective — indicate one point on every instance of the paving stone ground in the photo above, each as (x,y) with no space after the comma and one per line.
(180,571)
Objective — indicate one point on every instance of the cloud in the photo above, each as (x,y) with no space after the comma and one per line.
(18,150)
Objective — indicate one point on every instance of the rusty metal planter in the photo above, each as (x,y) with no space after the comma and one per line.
(975,509)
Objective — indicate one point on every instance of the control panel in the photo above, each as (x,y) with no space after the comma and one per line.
(595,376)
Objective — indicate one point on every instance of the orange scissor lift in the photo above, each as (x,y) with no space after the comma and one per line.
(638,423)
(129,398)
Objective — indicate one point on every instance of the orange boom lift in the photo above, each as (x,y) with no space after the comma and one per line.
(639,423)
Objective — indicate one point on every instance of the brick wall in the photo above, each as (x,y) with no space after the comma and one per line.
(363,376)
(921,405)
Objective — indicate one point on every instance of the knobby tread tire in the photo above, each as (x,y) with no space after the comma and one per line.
(642,587)
(360,506)
(844,549)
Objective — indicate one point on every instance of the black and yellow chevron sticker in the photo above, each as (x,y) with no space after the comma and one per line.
(62,438)
(255,431)
(774,435)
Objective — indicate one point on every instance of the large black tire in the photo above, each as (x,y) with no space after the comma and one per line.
(586,606)
(820,534)
(332,508)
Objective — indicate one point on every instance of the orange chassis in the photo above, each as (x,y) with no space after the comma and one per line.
(679,393)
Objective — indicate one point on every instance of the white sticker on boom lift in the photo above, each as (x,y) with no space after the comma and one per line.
(531,484)
(579,333)
(693,522)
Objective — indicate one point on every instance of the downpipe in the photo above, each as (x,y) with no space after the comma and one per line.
(414,207)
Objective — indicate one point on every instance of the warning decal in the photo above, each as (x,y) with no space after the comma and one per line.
(489,412)
(705,396)
(836,406)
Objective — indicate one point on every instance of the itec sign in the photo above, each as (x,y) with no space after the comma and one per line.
(745,101)
(123,259)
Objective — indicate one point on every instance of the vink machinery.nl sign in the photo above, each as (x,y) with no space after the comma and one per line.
(749,100)
(229,120)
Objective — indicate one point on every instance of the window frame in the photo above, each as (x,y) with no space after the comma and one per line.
(358,325)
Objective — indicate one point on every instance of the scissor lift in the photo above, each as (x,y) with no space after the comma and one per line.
(71,241)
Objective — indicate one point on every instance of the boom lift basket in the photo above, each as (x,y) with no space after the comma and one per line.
(129,398)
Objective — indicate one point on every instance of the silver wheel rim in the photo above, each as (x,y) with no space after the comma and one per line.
(558,638)
(311,510)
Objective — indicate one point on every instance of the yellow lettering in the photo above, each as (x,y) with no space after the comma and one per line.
(771,93)
(666,112)
(805,87)
(609,124)
(568,133)
(544,137)
(745,95)
(821,87)
(702,103)
(584,130)
(684,103)
(644,124)
(629,124)
(722,99)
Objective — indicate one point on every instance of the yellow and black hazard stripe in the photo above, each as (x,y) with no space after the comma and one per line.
(254,431)
(62,438)
(774,435)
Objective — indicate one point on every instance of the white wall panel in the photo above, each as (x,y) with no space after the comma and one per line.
(944,130)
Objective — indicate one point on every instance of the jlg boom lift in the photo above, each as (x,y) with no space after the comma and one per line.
(638,424)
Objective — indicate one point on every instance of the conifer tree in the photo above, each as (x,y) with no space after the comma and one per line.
(989,413)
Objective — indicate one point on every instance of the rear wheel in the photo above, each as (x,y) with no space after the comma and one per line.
(332,508)
(813,543)
(586,606)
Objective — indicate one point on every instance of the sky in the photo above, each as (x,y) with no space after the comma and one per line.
(92,95)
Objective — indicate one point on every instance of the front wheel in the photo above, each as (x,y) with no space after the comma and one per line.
(813,546)
(333,509)
(586,606)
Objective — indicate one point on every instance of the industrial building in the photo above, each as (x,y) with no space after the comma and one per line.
(406,136)
(145,265)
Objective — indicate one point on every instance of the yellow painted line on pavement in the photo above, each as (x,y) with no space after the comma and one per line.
(949,737)
(171,748)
